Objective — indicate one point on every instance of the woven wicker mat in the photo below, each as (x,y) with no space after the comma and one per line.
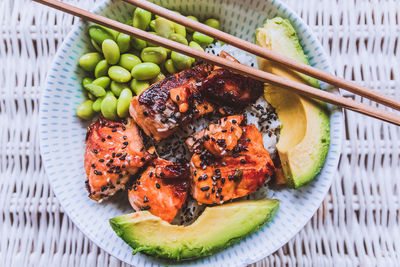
(357,224)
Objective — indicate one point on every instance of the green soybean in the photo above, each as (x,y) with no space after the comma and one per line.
(110,51)
(91,97)
(128,61)
(164,27)
(180,61)
(95,45)
(202,39)
(123,103)
(141,18)
(192,18)
(152,24)
(85,111)
(169,66)
(145,71)
(96,106)
(86,81)
(95,90)
(101,68)
(214,23)
(150,43)
(102,81)
(155,55)
(158,78)
(117,88)
(137,43)
(119,74)
(124,42)
(180,29)
(109,107)
(195,45)
(100,33)
(89,61)
(139,86)
(178,38)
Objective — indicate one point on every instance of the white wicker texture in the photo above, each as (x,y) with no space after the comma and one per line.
(358,223)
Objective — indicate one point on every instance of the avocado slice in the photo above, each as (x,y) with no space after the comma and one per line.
(216,228)
(305,131)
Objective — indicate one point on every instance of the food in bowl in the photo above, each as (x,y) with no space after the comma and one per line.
(195,148)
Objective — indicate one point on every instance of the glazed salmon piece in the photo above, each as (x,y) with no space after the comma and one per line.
(175,101)
(243,167)
(161,189)
(114,151)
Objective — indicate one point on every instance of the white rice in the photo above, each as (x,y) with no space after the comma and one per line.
(260,113)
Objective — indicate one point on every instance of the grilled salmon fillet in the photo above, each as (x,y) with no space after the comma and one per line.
(114,151)
(175,101)
(161,189)
(229,161)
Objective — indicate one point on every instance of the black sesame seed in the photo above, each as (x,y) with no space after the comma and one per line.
(223,181)
(113,155)
(135,188)
(195,173)
(123,128)
(234,121)
(101,160)
(213,190)
(97,172)
(207,194)
(158,186)
(230,178)
(123,166)
(224,131)
(110,171)
(113,130)
(204,188)
(219,190)
(118,155)
(145,113)
(207,137)
(221,197)
(145,199)
(142,159)
(177,98)
(145,208)
(120,176)
(162,174)
(93,165)
(200,178)
(232,128)
(109,136)
(103,139)
(125,143)
(151,174)
(242,161)
(95,151)
(235,155)
(125,137)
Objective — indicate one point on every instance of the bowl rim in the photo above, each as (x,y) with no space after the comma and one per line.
(333,111)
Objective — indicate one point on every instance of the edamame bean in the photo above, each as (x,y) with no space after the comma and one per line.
(169,66)
(152,24)
(95,45)
(95,90)
(85,111)
(139,86)
(181,61)
(214,23)
(145,71)
(164,27)
(195,45)
(109,107)
(137,43)
(89,61)
(117,88)
(100,33)
(110,51)
(202,39)
(86,81)
(192,18)
(141,18)
(101,68)
(119,74)
(124,42)
(123,103)
(97,104)
(156,55)
(178,38)
(180,29)
(102,81)
(91,97)
(152,44)
(158,78)
(128,61)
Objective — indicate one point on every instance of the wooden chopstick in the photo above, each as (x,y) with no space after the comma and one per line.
(265,53)
(236,67)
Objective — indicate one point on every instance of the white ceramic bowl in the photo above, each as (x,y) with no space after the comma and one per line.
(62,136)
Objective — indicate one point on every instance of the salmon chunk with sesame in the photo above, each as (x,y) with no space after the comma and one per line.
(229,161)
(161,189)
(114,151)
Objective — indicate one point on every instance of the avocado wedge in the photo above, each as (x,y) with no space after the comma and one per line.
(216,228)
(305,131)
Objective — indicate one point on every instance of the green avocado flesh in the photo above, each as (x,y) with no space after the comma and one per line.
(216,228)
(305,132)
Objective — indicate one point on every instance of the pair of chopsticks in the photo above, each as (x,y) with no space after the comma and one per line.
(257,74)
